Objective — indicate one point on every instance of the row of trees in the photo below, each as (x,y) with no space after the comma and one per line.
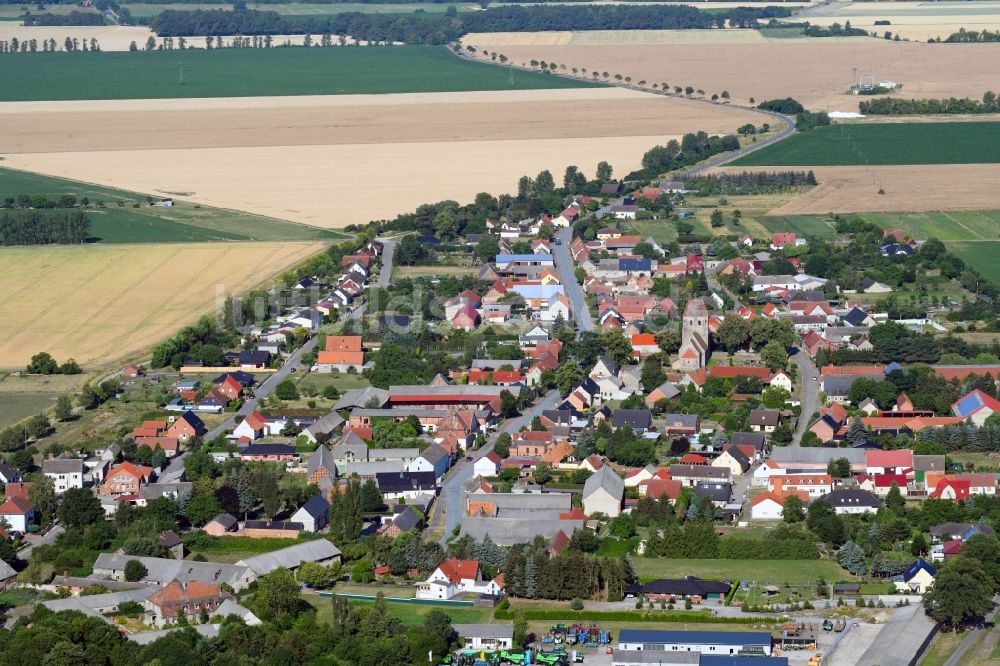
(38,228)
(71,44)
(750,182)
(443,28)
(73,18)
(891,106)
(964,36)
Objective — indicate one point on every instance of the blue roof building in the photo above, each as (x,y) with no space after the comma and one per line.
(635,265)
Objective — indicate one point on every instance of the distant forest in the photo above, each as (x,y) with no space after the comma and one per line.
(440,29)
(38,228)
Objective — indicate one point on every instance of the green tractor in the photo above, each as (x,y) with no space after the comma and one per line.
(513,657)
(557,657)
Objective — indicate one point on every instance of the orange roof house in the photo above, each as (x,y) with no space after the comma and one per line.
(126,478)
(557,453)
(342,350)
(167,604)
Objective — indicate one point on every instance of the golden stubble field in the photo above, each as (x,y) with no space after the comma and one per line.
(910,20)
(908,188)
(817,72)
(332,161)
(101,304)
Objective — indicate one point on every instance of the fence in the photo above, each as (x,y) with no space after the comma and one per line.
(401,600)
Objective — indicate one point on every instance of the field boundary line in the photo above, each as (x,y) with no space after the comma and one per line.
(978,236)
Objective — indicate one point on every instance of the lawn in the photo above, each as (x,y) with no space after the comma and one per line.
(232,549)
(257,72)
(412,615)
(119,222)
(412,272)
(764,572)
(15,407)
(940,650)
(341,380)
(884,143)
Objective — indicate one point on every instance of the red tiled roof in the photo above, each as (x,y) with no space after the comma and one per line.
(16,506)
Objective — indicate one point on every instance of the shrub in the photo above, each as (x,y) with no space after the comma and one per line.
(576,604)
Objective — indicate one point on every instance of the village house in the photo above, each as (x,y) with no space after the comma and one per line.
(165,606)
(19,513)
(454,577)
(126,478)
(342,353)
(603,492)
(186,426)
(65,473)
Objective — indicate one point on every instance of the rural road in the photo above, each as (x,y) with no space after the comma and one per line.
(565,267)
(448,513)
(787,122)
(176,466)
(809,395)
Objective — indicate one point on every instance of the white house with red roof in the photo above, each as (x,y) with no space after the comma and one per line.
(253,427)
(951,489)
(488,465)
(454,577)
(771,506)
(888,462)
(19,513)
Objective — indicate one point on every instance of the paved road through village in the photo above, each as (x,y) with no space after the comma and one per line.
(448,513)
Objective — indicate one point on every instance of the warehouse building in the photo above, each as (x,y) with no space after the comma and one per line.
(705,642)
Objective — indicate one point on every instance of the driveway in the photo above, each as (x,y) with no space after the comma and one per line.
(385,273)
(565,267)
(809,393)
(43,540)
(448,508)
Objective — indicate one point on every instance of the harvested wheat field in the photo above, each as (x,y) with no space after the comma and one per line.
(37,127)
(817,72)
(911,188)
(333,161)
(911,20)
(109,37)
(332,186)
(101,304)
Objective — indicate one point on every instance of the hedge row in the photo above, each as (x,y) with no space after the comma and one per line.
(629,616)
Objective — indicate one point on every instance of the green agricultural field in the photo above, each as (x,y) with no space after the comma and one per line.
(810,226)
(764,572)
(181,223)
(972,235)
(258,72)
(884,143)
(980,255)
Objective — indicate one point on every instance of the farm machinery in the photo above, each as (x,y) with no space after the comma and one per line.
(577,634)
